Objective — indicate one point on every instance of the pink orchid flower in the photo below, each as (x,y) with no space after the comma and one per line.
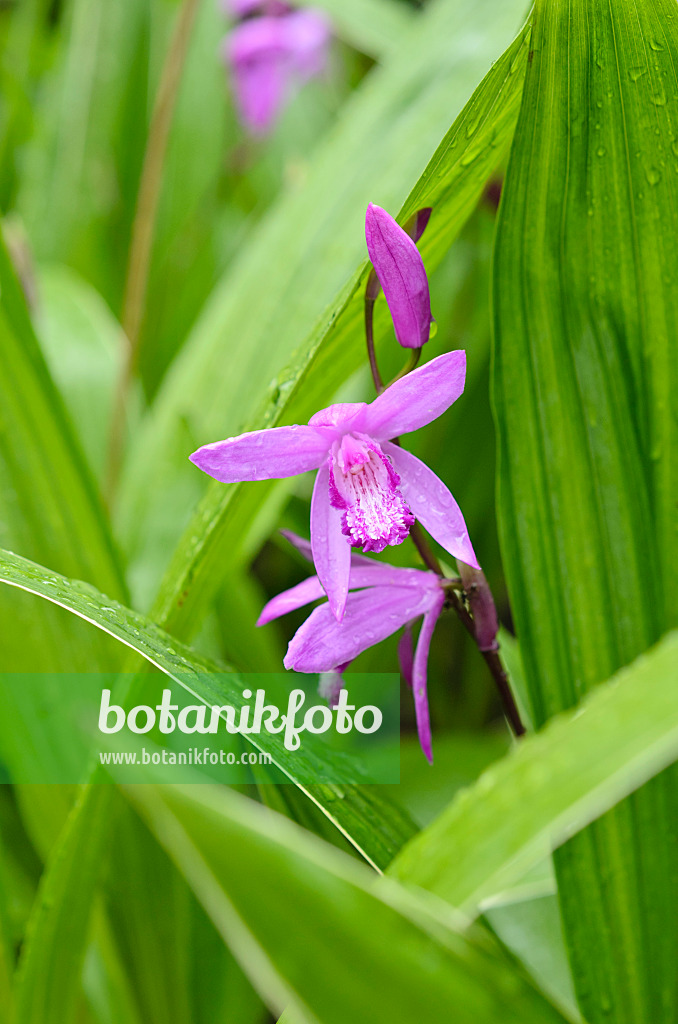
(368,491)
(269,57)
(382,600)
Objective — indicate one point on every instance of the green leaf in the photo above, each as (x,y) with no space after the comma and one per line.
(320,914)
(586,316)
(83,346)
(532,930)
(190,974)
(353,809)
(310,251)
(551,785)
(80,169)
(47,982)
(198,404)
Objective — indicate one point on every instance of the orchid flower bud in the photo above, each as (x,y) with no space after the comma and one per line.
(482,606)
(400,270)
(418,222)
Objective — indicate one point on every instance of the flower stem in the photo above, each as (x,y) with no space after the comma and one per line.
(493,662)
(428,557)
(411,364)
(143,228)
(372,290)
(422,545)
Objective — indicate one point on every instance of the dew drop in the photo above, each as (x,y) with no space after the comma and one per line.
(601,151)
(654,45)
(472,127)
(636,73)
(653,175)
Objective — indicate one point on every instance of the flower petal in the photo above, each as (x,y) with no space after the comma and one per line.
(379,574)
(418,222)
(371,615)
(432,504)
(262,454)
(360,577)
(256,51)
(372,573)
(289,600)
(338,419)
(400,269)
(331,550)
(303,546)
(332,683)
(307,36)
(418,398)
(419,681)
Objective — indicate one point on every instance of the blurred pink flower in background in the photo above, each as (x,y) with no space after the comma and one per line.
(270,56)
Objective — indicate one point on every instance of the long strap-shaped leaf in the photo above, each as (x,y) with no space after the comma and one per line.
(49,508)
(308,923)
(586,319)
(349,807)
(552,784)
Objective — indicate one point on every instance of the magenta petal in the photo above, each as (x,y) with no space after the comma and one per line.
(406,654)
(336,420)
(362,576)
(400,269)
(307,34)
(331,550)
(419,681)
(304,549)
(417,224)
(260,92)
(303,546)
(256,51)
(371,616)
(331,684)
(379,574)
(262,454)
(418,398)
(432,504)
(289,600)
